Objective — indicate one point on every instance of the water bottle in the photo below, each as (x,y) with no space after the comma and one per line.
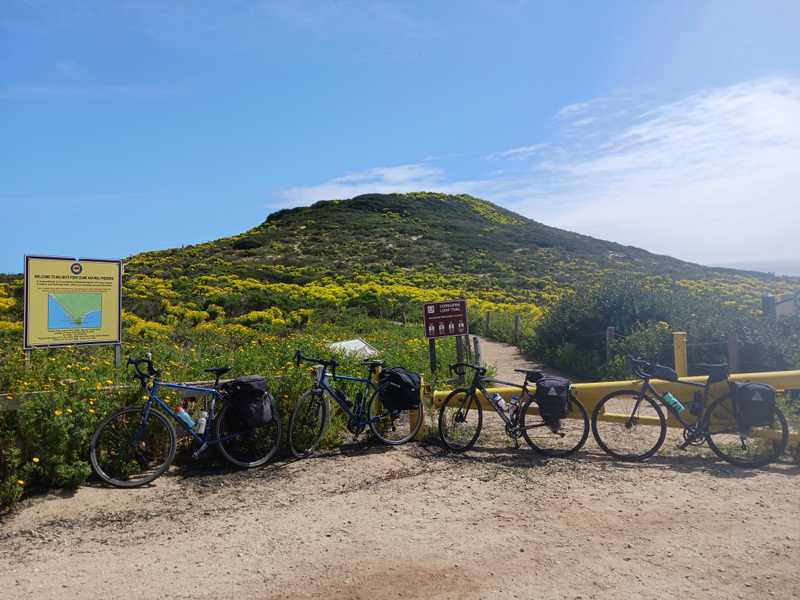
(674,402)
(185,417)
(499,402)
(200,424)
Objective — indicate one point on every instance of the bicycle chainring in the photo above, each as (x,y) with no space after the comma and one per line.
(355,427)
(694,435)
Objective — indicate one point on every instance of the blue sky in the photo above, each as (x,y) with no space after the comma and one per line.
(129,126)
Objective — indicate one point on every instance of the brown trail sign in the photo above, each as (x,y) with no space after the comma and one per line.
(445,319)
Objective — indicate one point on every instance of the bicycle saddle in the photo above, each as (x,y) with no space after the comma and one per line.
(373,363)
(218,371)
(716,373)
(532,376)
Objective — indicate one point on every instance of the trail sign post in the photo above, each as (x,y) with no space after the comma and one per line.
(444,319)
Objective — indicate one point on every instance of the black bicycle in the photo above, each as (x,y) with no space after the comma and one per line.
(311,414)
(461,416)
(631,425)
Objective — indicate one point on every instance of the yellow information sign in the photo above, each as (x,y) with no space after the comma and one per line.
(72,301)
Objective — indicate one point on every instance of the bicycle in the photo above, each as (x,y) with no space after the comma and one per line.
(136,444)
(311,414)
(717,423)
(461,417)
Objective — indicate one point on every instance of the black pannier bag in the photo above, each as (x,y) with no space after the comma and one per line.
(399,389)
(552,396)
(755,403)
(250,399)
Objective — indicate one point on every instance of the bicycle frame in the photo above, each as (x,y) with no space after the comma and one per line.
(648,387)
(324,386)
(204,439)
(479,384)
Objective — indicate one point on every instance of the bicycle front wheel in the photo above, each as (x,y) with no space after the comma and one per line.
(556,438)
(460,420)
(628,425)
(132,447)
(393,427)
(244,446)
(307,423)
(746,447)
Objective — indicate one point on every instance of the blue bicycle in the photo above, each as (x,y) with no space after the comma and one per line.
(311,414)
(136,444)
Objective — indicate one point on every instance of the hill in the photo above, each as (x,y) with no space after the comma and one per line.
(386,252)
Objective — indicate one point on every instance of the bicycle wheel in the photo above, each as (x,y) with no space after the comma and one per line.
(307,424)
(244,446)
(460,420)
(745,447)
(629,426)
(131,448)
(560,438)
(393,427)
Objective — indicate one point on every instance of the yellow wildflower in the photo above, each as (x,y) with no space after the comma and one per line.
(35,459)
(91,410)
(57,413)
(20,482)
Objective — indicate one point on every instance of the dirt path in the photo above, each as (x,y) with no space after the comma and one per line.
(505,358)
(410,522)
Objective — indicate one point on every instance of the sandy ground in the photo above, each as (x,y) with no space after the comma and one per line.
(414,522)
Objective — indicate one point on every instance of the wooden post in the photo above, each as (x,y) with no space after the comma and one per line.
(734,364)
(432,354)
(468,346)
(770,306)
(611,334)
(486,323)
(27,359)
(681,356)
(460,357)
(117,356)
(478,357)
(516,329)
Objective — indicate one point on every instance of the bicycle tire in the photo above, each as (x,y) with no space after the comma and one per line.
(249,437)
(403,416)
(576,409)
(472,403)
(124,462)
(606,444)
(299,446)
(718,445)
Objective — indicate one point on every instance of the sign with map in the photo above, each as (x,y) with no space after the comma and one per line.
(71,301)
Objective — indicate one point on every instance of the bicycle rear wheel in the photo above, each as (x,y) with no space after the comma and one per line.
(307,424)
(393,427)
(629,426)
(130,448)
(460,420)
(560,438)
(244,446)
(746,447)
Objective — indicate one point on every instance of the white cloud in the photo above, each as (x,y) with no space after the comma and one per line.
(713,177)
(401,178)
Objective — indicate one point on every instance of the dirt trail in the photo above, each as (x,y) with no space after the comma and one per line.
(505,358)
(412,522)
